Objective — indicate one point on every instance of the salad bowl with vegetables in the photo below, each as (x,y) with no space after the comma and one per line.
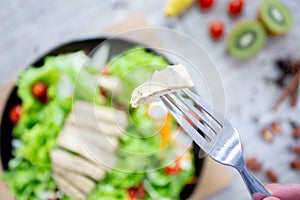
(68,131)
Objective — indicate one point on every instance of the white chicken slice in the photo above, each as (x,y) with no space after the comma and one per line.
(77,164)
(88,137)
(172,78)
(82,183)
(70,140)
(110,84)
(102,114)
(80,120)
(67,188)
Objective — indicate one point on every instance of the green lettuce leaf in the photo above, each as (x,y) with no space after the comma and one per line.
(27,181)
(134,67)
(75,66)
(48,75)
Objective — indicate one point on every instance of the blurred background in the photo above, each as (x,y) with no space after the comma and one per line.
(28,29)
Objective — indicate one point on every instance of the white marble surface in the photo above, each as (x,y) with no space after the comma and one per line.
(30,28)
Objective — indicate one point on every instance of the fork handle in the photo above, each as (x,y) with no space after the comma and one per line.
(255,188)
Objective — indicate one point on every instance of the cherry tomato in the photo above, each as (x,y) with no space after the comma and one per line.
(136,192)
(235,7)
(39,90)
(15,113)
(132,193)
(216,29)
(173,170)
(205,4)
(141,192)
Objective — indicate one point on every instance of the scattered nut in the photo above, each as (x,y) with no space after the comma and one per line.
(267,135)
(276,126)
(296,133)
(271,176)
(296,149)
(253,164)
(295,164)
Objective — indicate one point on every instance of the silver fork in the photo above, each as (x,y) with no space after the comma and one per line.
(214,134)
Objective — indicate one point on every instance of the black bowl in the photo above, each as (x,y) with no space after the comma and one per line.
(117,46)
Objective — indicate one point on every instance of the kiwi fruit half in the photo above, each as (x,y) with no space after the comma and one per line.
(246,39)
(275,16)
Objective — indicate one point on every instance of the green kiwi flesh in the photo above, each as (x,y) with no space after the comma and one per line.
(275,16)
(246,39)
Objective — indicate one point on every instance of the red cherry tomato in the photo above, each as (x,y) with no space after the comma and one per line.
(136,192)
(132,193)
(173,170)
(15,113)
(205,4)
(39,90)
(216,29)
(235,7)
(141,192)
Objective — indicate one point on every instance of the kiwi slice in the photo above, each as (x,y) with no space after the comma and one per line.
(246,39)
(275,16)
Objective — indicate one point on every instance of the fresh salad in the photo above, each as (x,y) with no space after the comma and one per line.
(150,162)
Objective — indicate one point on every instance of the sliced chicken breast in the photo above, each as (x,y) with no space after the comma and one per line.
(110,84)
(89,137)
(68,189)
(172,78)
(82,183)
(70,140)
(90,122)
(77,164)
(101,113)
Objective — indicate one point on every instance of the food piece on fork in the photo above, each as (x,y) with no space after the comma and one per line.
(172,78)
(214,134)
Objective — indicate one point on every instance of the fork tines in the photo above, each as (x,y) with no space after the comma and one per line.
(194,115)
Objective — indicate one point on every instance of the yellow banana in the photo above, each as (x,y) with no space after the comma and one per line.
(175,7)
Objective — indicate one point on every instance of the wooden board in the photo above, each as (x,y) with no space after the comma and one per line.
(4,91)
